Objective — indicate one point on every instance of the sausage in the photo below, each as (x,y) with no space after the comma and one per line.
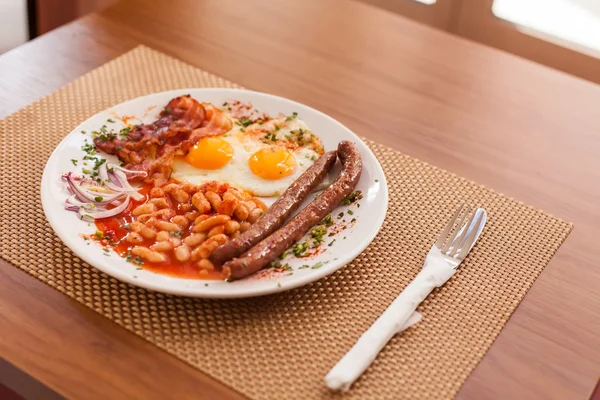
(275,244)
(279,212)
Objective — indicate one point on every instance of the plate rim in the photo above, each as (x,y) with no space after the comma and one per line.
(204,291)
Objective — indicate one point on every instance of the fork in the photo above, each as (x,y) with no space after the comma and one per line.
(445,256)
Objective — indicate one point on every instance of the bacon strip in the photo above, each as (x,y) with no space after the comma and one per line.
(151,147)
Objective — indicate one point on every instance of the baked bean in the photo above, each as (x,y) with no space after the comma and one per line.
(180,196)
(201,203)
(162,236)
(203,272)
(147,254)
(182,253)
(195,239)
(235,234)
(159,202)
(244,226)
(253,216)
(235,193)
(214,199)
(136,226)
(157,192)
(260,204)
(210,222)
(165,213)
(216,230)
(180,220)
(190,188)
(250,205)
(185,207)
(144,218)
(147,232)
(228,204)
(212,186)
(206,265)
(241,213)
(163,246)
(134,238)
(231,227)
(170,188)
(146,208)
(204,250)
(176,241)
(166,226)
(192,215)
(201,218)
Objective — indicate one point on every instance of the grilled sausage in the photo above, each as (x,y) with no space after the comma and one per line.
(275,244)
(279,212)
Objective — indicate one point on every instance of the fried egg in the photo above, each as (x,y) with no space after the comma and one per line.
(263,158)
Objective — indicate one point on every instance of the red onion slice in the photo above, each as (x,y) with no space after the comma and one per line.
(99,213)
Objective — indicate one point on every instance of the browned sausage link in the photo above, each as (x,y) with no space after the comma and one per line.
(271,247)
(280,211)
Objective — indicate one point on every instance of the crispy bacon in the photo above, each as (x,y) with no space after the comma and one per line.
(151,147)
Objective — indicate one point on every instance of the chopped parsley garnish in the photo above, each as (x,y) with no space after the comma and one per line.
(89,148)
(353,220)
(86,171)
(98,198)
(74,162)
(125,131)
(127,226)
(168,110)
(284,254)
(176,234)
(331,243)
(376,180)
(350,212)
(224,104)
(340,215)
(328,221)
(304,266)
(317,234)
(352,197)
(286,267)
(275,264)
(246,122)
(99,234)
(277,127)
(271,136)
(318,265)
(291,117)
(83,132)
(112,121)
(299,249)
(118,148)
(135,260)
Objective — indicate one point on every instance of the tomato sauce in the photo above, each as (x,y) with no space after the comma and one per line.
(115,230)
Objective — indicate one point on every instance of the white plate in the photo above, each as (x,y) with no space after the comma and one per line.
(369,217)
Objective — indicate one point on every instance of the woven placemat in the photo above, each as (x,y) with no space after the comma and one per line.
(281,346)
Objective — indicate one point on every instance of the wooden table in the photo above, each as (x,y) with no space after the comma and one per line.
(525,130)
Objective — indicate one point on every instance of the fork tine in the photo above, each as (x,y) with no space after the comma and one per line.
(464,230)
(467,246)
(456,231)
(448,227)
(458,235)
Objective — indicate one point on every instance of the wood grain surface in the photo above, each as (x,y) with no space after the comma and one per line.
(525,130)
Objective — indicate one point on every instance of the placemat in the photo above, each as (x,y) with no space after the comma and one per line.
(281,346)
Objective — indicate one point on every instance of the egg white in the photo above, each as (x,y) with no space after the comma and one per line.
(237,172)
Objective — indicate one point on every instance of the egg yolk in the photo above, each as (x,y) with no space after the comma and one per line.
(272,163)
(210,153)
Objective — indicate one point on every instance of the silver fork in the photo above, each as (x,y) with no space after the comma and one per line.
(444,257)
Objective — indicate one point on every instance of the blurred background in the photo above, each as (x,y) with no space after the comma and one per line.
(562,34)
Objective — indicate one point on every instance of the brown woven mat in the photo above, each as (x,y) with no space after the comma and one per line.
(295,337)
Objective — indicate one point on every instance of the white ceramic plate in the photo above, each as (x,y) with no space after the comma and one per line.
(348,244)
